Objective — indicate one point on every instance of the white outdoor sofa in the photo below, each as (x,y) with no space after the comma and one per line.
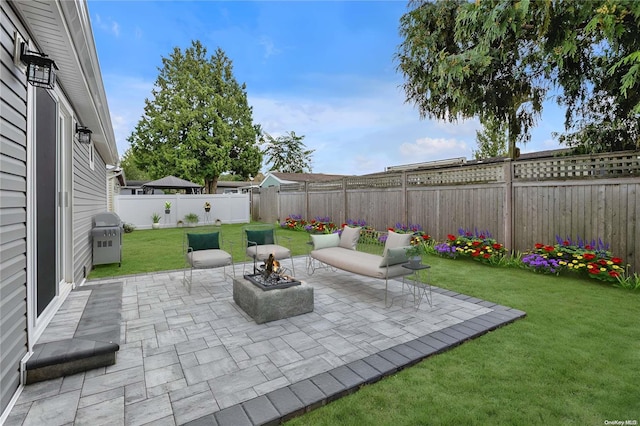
(339,251)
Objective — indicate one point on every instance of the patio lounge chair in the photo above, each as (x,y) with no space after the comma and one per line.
(260,241)
(203,250)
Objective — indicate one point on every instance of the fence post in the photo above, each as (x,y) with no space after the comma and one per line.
(508,204)
(343,219)
(405,204)
(306,199)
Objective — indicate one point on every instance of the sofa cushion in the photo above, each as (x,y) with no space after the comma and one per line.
(204,241)
(396,240)
(358,262)
(395,256)
(349,237)
(325,240)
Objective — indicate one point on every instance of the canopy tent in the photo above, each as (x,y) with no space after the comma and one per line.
(172,182)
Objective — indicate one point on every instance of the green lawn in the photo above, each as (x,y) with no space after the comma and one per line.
(573,360)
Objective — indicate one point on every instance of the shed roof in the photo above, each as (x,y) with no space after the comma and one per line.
(171,182)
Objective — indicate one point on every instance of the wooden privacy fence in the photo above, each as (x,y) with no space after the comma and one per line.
(520,202)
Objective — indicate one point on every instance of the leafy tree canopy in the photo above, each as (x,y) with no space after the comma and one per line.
(131,170)
(287,154)
(498,59)
(492,140)
(198,124)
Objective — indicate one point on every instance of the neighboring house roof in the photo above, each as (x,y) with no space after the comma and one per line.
(62,30)
(171,182)
(302,177)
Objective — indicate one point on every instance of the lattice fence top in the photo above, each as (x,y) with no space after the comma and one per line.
(292,187)
(461,175)
(610,165)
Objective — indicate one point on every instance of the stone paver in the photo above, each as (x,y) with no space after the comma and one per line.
(199,359)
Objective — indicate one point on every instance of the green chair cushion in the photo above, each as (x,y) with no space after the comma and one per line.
(260,237)
(204,241)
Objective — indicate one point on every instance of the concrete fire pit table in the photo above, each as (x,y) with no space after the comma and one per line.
(271,305)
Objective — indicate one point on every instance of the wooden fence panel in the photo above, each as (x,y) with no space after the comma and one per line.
(590,210)
(326,204)
(520,203)
(292,203)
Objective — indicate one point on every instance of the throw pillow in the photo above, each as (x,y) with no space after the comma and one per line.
(325,240)
(396,240)
(204,241)
(259,237)
(395,256)
(349,237)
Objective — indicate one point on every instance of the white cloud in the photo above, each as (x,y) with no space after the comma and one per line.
(109,25)
(269,47)
(427,149)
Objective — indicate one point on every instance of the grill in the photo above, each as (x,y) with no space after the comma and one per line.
(107,239)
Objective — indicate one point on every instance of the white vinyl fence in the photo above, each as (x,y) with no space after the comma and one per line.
(138,209)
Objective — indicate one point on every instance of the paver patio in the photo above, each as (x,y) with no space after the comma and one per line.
(199,359)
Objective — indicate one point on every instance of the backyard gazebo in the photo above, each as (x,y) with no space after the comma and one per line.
(172,182)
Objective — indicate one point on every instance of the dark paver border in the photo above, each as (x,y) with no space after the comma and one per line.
(309,394)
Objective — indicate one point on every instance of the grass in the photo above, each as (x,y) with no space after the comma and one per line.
(153,250)
(572,360)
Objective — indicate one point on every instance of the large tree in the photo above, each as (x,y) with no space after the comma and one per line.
(198,124)
(287,153)
(498,59)
(491,140)
(131,170)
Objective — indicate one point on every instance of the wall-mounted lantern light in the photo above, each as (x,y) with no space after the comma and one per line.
(40,69)
(84,134)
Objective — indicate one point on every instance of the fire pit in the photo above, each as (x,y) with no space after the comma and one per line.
(271,276)
(289,297)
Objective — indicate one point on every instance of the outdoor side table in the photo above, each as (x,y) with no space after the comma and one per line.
(415,285)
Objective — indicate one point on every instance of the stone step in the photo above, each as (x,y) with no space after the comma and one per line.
(94,344)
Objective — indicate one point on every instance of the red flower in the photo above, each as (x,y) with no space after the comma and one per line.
(389,229)
(425,237)
(476,243)
(588,247)
(589,256)
(565,243)
(313,221)
(595,268)
(451,237)
(487,255)
(475,253)
(539,246)
(343,225)
(603,262)
(468,234)
(614,274)
(481,236)
(549,248)
(497,246)
(616,260)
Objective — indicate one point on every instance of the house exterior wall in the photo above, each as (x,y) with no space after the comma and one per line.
(89,198)
(80,173)
(13,211)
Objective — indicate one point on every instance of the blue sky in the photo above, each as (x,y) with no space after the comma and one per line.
(323,69)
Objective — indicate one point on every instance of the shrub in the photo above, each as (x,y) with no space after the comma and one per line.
(478,245)
(592,259)
(128,228)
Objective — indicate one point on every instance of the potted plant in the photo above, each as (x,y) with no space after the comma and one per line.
(207,207)
(167,207)
(180,223)
(192,219)
(156,221)
(416,250)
